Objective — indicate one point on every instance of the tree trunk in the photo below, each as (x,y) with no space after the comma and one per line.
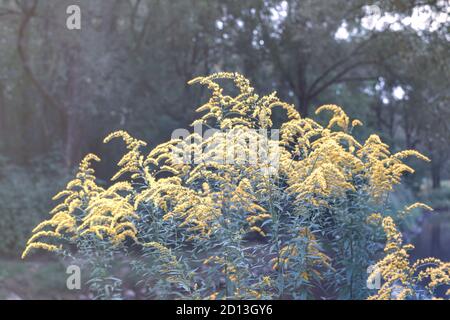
(74,148)
(74,138)
(436,175)
(303,106)
(2,112)
(303,99)
(83,49)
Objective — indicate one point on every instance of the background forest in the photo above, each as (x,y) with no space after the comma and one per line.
(62,91)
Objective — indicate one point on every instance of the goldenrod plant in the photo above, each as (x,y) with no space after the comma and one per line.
(402,279)
(288,219)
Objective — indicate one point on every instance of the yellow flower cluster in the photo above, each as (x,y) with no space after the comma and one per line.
(65,218)
(317,162)
(383,169)
(401,279)
(246,110)
(110,214)
(330,161)
(87,209)
(132,161)
(315,258)
(418,205)
(315,165)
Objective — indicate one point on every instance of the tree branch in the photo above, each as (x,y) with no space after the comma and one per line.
(28,14)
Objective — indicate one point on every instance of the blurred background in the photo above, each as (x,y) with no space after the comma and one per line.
(61,91)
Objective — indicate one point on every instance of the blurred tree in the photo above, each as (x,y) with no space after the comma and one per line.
(69,88)
(302,43)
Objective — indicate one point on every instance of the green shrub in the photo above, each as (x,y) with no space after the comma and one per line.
(241,229)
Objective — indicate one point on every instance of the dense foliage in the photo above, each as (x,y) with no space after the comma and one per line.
(302,221)
(387,62)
